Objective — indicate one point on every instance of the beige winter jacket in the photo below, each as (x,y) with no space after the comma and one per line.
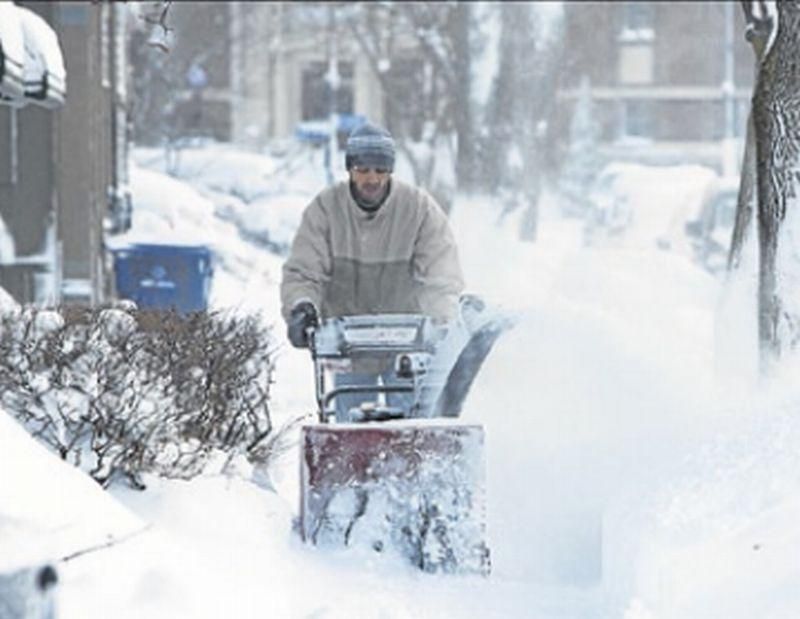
(400,259)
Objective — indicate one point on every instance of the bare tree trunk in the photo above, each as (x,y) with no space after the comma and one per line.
(543,85)
(776,120)
(759,29)
(746,203)
(517,114)
(737,346)
(507,115)
(462,67)
(531,190)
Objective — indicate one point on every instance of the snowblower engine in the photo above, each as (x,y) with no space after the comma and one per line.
(398,472)
(399,344)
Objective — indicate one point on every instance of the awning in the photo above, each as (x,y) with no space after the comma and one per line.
(45,76)
(31,63)
(12,55)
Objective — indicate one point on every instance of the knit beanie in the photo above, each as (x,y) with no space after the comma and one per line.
(370,146)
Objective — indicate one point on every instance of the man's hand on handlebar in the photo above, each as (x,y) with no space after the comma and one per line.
(303,316)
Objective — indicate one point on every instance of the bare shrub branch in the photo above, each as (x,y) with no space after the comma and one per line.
(121,393)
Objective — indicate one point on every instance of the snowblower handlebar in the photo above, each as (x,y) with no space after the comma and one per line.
(405,341)
(435,363)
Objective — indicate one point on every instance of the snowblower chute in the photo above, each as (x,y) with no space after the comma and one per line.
(388,464)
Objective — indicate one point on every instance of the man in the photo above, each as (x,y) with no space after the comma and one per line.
(370,245)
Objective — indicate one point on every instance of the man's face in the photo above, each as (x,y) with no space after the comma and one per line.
(370,182)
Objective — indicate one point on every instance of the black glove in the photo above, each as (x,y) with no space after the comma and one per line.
(303,316)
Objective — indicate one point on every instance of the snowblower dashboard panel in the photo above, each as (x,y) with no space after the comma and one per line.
(349,335)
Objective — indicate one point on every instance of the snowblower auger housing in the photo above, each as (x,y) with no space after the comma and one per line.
(406,476)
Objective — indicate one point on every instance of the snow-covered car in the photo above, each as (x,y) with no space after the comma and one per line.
(27,592)
(609,207)
(646,207)
(711,231)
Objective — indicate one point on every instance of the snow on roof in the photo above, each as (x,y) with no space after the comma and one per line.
(7,302)
(9,25)
(45,75)
(185,219)
(49,509)
(13,48)
(8,250)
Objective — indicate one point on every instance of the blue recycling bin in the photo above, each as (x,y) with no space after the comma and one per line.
(164,276)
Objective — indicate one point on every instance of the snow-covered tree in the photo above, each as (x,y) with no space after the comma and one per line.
(522,98)
(770,185)
(421,54)
(173,69)
(737,320)
(582,161)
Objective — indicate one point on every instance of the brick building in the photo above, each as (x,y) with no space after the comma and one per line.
(670,81)
(63,160)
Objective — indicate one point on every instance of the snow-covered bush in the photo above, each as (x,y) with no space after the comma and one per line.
(120,392)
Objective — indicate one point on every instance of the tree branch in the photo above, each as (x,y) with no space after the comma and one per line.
(107,544)
(759,25)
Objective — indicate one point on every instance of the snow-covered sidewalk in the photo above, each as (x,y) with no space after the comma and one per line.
(605,499)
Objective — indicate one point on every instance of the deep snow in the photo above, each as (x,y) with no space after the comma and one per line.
(628,474)
(49,508)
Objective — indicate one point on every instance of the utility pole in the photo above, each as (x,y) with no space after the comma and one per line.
(333,80)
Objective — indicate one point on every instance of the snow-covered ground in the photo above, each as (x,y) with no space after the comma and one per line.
(628,474)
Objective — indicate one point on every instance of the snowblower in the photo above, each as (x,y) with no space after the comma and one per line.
(399,471)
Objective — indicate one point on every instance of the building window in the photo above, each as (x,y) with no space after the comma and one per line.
(316,91)
(637,119)
(637,21)
(636,64)
(105,46)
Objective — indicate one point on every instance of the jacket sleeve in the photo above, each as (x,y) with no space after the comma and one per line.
(436,265)
(308,268)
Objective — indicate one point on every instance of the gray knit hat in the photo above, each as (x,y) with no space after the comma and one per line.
(370,146)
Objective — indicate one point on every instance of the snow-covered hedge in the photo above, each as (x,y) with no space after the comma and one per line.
(120,392)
